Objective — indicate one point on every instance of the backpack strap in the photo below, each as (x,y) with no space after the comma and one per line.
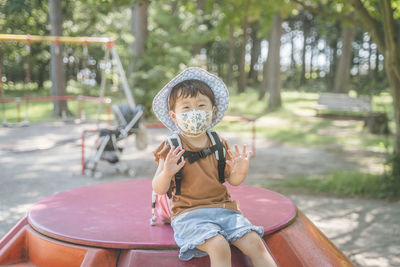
(219,153)
(175,141)
(217,148)
(194,156)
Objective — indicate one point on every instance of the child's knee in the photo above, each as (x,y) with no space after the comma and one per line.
(216,246)
(250,244)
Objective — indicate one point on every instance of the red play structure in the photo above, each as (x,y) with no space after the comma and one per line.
(108,225)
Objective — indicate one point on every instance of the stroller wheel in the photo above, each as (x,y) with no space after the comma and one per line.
(120,167)
(88,172)
(131,172)
(97,175)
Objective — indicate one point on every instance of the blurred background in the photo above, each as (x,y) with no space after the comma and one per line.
(318,82)
(278,59)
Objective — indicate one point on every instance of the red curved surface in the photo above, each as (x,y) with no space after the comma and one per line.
(117,215)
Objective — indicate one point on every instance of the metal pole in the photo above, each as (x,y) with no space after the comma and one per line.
(2,92)
(60,39)
(254,138)
(125,84)
(83,152)
(27,77)
(108,113)
(80,107)
(103,83)
(18,100)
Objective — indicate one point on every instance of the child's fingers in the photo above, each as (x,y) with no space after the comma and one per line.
(237,150)
(250,154)
(176,150)
(180,153)
(169,153)
(230,154)
(181,164)
(244,149)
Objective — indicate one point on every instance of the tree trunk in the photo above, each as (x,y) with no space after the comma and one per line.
(255,53)
(272,67)
(395,86)
(376,62)
(369,56)
(333,64)
(306,32)
(139,30)
(242,81)
(200,4)
(310,68)
(231,55)
(392,67)
(56,62)
(292,51)
(342,73)
(264,84)
(174,6)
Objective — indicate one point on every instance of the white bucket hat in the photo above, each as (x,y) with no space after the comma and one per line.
(221,94)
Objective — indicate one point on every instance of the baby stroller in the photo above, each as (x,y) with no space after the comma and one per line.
(107,148)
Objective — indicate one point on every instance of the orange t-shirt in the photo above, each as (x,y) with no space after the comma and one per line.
(200,186)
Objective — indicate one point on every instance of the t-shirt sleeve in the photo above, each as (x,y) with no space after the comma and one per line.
(161,151)
(227,157)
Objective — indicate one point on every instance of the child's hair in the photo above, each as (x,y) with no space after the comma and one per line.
(189,88)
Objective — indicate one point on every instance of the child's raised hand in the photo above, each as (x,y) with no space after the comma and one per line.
(171,165)
(239,162)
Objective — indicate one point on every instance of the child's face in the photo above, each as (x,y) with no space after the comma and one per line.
(198,102)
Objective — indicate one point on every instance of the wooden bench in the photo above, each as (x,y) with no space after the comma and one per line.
(343,103)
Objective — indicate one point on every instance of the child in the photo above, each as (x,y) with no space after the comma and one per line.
(205,219)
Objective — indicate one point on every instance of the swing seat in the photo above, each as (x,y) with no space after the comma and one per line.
(108,225)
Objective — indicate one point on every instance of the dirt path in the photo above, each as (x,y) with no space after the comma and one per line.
(43,159)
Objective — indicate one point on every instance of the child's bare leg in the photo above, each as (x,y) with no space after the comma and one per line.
(219,251)
(252,246)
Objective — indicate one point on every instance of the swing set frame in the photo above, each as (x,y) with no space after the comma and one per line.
(57,40)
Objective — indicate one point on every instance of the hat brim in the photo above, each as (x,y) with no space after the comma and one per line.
(221,94)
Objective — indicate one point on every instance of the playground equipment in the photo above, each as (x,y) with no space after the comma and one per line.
(79,98)
(57,40)
(107,225)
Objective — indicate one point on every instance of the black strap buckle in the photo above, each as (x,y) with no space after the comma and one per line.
(179,175)
(203,153)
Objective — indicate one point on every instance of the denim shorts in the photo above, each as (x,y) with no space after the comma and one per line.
(194,227)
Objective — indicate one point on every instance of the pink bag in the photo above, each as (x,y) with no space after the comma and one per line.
(162,207)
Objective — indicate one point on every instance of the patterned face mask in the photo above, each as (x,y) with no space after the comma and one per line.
(194,122)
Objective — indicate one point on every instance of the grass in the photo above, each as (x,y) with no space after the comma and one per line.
(343,183)
(296,124)
(42,111)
